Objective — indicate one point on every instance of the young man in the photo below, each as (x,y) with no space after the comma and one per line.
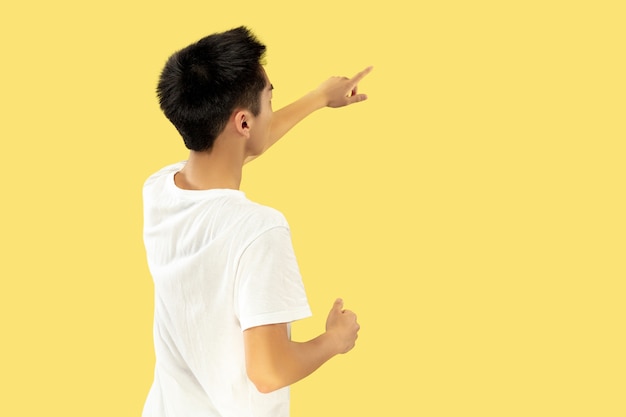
(226,280)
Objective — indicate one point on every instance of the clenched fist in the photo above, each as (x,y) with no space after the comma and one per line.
(342,325)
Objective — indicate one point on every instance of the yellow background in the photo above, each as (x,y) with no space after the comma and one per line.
(471,212)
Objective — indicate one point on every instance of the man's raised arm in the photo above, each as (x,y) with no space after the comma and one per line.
(334,92)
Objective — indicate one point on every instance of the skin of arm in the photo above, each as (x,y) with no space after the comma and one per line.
(273,361)
(334,92)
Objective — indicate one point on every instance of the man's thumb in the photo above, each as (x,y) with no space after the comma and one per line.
(338,305)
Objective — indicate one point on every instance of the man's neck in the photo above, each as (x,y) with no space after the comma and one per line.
(217,168)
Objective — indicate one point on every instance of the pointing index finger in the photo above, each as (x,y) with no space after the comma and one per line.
(359,76)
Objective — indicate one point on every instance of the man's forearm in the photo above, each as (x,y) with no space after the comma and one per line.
(275,362)
(289,116)
(305,358)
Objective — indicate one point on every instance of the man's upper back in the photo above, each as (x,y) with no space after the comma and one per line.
(220,264)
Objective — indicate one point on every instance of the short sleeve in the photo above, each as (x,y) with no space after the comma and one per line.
(269,286)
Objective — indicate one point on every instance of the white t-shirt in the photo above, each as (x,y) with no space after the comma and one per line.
(220,264)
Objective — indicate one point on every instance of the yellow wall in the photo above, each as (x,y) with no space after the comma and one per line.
(471,212)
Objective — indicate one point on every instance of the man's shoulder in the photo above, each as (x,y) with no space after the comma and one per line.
(263,216)
(163,173)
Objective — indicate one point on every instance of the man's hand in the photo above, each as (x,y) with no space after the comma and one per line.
(341,91)
(342,325)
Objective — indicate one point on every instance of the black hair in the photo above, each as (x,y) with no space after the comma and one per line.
(202,84)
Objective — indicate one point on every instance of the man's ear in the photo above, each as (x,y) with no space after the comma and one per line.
(243,122)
